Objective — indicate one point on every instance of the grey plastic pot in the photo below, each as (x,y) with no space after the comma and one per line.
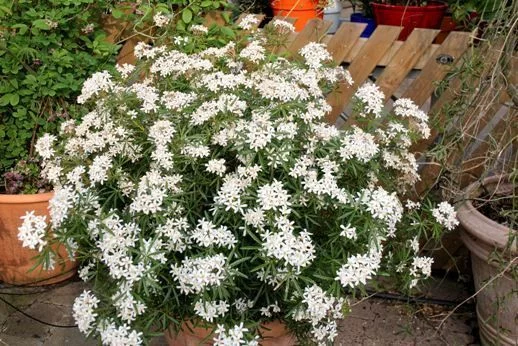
(497,303)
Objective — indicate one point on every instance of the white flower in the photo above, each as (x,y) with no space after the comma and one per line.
(216,166)
(250,21)
(160,20)
(371,98)
(358,144)
(44,146)
(98,171)
(84,313)
(315,54)
(254,52)
(348,232)
(195,151)
(113,335)
(84,272)
(199,29)
(177,100)
(414,244)
(209,310)
(207,234)
(59,205)
(128,308)
(242,305)
(234,336)
(98,82)
(445,215)
(359,269)
(283,25)
(33,230)
(295,250)
(125,69)
(195,275)
(269,310)
(383,206)
(422,265)
(273,196)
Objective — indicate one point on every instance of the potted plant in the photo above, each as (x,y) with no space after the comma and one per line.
(206,194)
(488,219)
(409,14)
(302,10)
(47,49)
(364,16)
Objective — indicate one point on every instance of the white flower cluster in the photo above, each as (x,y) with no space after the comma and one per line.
(33,231)
(283,25)
(249,22)
(234,336)
(160,20)
(371,98)
(295,250)
(216,173)
(321,310)
(113,335)
(359,268)
(83,311)
(207,234)
(445,215)
(195,275)
(209,310)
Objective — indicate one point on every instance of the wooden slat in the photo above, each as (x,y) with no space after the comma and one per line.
(392,51)
(404,60)
(314,31)
(372,52)
(423,86)
(344,39)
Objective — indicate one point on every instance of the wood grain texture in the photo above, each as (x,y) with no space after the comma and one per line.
(369,56)
(343,40)
(404,60)
(424,85)
(314,31)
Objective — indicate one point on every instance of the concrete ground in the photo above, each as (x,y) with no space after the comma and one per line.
(372,322)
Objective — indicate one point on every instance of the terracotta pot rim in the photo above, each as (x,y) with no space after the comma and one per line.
(435,5)
(26,198)
(471,219)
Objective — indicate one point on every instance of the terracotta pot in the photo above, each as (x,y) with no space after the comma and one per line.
(497,304)
(302,10)
(15,260)
(273,334)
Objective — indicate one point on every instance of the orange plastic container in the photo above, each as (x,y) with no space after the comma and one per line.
(302,10)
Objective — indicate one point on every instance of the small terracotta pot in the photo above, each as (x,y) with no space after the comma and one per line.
(15,260)
(273,334)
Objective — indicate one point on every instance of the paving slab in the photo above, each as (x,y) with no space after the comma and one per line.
(372,322)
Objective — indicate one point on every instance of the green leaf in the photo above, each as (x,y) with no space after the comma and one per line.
(206,3)
(14,99)
(117,13)
(41,24)
(23,28)
(5,99)
(187,16)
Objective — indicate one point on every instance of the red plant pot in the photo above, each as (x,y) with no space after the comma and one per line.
(410,17)
(302,10)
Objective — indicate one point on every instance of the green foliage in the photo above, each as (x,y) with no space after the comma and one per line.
(47,48)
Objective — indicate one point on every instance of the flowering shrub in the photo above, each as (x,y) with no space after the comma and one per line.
(207,187)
